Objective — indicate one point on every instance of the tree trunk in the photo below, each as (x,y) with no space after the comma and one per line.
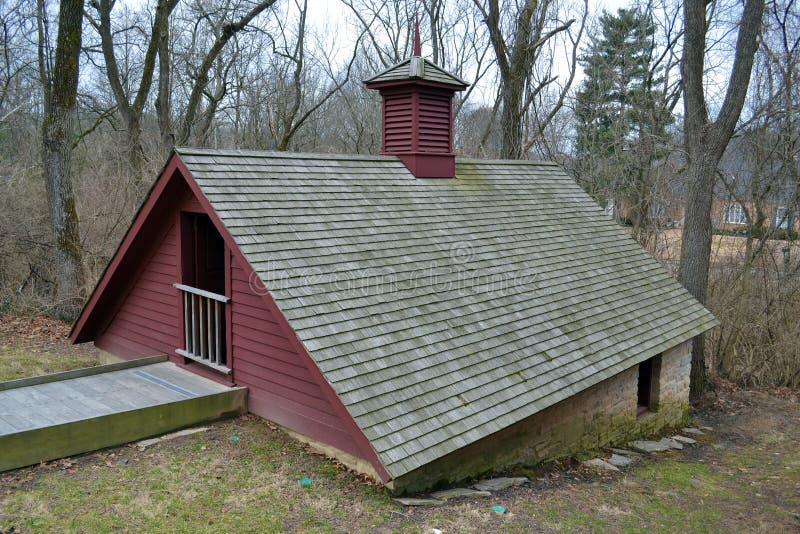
(696,253)
(705,143)
(511,142)
(60,90)
(163,98)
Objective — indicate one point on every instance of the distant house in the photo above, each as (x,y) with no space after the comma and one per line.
(732,214)
(422,318)
(740,189)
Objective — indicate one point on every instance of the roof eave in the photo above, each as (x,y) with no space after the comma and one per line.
(413,81)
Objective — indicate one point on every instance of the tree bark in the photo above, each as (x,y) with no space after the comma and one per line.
(705,143)
(60,89)
(163,98)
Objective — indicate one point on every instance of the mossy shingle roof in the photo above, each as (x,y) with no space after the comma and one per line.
(443,310)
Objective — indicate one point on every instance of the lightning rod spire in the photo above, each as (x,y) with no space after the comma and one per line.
(417,44)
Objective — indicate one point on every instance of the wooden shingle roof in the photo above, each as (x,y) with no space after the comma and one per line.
(443,310)
(422,70)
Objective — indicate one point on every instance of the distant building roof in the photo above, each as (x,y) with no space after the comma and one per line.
(444,310)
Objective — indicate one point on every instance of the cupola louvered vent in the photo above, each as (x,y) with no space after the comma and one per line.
(398,123)
(435,122)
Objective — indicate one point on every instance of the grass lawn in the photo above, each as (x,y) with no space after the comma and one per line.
(745,476)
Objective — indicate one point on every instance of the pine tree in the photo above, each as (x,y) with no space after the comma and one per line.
(622,113)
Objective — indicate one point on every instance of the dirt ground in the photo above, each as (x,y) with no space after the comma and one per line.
(242,475)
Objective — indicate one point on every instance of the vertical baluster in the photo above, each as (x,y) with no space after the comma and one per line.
(193,350)
(203,353)
(218,330)
(210,333)
(186,318)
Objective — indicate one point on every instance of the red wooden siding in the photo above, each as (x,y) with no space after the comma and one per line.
(282,388)
(398,116)
(148,320)
(135,311)
(434,122)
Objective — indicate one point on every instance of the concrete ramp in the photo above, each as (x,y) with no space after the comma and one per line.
(52,416)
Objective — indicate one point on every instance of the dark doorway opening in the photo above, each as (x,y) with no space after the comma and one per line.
(202,290)
(644,391)
(203,254)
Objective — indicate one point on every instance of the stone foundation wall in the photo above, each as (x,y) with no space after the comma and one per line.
(602,415)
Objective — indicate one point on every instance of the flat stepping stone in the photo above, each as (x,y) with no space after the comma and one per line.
(693,431)
(664,444)
(625,452)
(617,460)
(418,502)
(459,492)
(707,428)
(599,464)
(684,439)
(648,446)
(674,444)
(496,484)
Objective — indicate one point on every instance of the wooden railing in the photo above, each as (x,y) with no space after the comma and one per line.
(204,327)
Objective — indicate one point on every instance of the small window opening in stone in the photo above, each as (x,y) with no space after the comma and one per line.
(644,393)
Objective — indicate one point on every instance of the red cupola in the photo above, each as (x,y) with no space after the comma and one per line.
(417,114)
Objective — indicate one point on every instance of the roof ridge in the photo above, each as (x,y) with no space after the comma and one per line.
(191,151)
(522,162)
(276,154)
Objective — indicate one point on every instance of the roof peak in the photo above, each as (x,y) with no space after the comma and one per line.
(417,68)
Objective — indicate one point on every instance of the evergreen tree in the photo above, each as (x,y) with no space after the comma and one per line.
(622,113)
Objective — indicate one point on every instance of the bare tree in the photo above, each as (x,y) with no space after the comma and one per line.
(131,111)
(705,141)
(17,63)
(522,43)
(780,83)
(388,25)
(302,99)
(60,87)
(223,33)
(757,301)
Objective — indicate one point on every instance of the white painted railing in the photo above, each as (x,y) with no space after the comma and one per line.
(204,327)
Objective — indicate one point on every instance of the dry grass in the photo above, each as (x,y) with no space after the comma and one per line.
(31,346)
(756,344)
(726,250)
